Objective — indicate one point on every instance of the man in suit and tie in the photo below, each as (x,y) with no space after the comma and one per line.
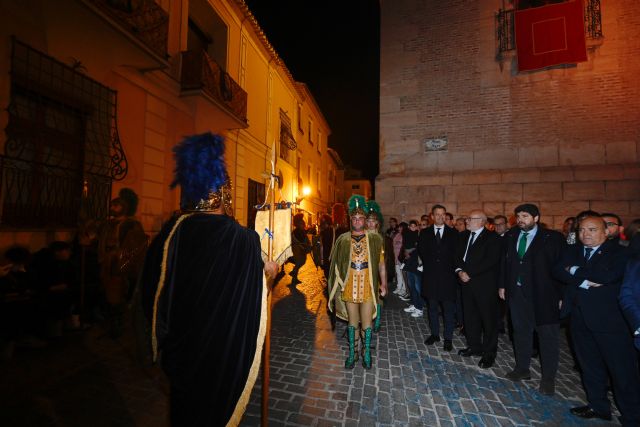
(593,270)
(530,254)
(437,249)
(630,298)
(477,264)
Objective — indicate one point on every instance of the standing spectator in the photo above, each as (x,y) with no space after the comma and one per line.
(614,227)
(437,248)
(398,252)
(122,246)
(630,298)
(461,224)
(501,225)
(449,222)
(593,270)
(393,225)
(531,253)
(414,279)
(299,245)
(568,230)
(477,262)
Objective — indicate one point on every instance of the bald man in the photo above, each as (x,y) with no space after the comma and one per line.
(477,263)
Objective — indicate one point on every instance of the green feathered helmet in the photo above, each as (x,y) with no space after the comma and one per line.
(374,211)
(357,205)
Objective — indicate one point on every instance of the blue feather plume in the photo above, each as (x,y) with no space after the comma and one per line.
(200,166)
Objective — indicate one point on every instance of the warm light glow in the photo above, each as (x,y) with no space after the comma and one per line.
(306,190)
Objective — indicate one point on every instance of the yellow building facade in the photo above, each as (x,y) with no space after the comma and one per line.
(95,94)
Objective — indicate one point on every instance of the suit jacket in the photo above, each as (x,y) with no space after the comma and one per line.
(438,260)
(483,260)
(630,294)
(535,271)
(599,306)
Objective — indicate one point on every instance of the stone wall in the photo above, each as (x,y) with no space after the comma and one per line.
(566,138)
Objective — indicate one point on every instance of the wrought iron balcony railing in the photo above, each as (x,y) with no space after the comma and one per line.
(505,28)
(143,19)
(201,72)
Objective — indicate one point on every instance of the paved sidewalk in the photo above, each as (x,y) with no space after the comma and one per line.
(409,385)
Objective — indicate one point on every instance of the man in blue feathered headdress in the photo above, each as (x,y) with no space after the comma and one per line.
(204,293)
(356,272)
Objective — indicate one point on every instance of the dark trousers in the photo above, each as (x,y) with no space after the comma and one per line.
(415,289)
(448,314)
(480,318)
(602,354)
(458,305)
(524,325)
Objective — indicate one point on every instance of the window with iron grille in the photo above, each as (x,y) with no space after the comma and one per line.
(62,149)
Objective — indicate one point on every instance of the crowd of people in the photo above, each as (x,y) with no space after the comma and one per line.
(71,285)
(485,276)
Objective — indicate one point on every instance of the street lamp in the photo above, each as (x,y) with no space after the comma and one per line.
(306,190)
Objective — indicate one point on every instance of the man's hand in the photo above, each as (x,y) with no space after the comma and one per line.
(270,269)
(383,289)
(501,293)
(463,276)
(560,305)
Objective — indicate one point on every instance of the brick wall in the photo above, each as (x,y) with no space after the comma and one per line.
(566,138)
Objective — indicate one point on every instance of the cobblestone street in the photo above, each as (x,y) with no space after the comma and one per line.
(87,379)
(409,385)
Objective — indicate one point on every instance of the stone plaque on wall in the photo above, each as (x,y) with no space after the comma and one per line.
(436,144)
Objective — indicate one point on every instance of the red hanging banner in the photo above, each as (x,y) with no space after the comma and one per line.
(550,35)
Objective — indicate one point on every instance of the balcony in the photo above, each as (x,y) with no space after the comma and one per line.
(143,20)
(505,29)
(203,77)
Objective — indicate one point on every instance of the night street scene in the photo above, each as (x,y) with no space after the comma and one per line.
(287,213)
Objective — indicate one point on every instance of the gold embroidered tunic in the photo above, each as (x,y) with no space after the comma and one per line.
(358,286)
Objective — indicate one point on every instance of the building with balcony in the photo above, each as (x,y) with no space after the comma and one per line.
(99,91)
(461,124)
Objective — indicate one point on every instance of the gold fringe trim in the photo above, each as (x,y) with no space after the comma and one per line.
(241,406)
(163,275)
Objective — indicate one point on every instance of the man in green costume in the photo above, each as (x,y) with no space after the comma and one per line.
(355,275)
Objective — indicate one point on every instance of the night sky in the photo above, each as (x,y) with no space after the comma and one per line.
(333,47)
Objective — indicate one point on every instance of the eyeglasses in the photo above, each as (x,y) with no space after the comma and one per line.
(611,224)
(473,217)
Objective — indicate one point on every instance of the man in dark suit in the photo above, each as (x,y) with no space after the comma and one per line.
(477,263)
(593,270)
(630,298)
(530,254)
(437,249)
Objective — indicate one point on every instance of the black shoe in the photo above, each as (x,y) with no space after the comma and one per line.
(432,339)
(448,346)
(547,387)
(587,412)
(486,362)
(467,352)
(518,375)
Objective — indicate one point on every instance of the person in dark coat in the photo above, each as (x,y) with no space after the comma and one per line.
(477,265)
(205,295)
(630,298)
(437,249)
(593,270)
(533,294)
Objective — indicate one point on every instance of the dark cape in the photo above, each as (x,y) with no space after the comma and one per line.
(210,315)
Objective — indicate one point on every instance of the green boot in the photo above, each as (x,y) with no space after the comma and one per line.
(366,349)
(376,323)
(353,356)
